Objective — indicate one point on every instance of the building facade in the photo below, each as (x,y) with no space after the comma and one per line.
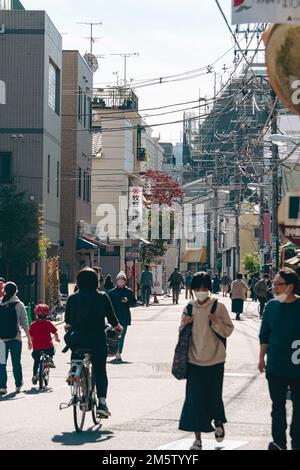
(30,117)
(76,169)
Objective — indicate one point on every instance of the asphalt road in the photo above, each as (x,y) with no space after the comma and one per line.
(144,398)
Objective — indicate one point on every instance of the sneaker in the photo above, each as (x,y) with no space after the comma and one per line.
(103,411)
(34,380)
(3,391)
(118,357)
(18,389)
(197,445)
(219,432)
(274,446)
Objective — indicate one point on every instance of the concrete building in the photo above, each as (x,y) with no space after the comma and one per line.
(154,151)
(77,84)
(30,113)
(117,157)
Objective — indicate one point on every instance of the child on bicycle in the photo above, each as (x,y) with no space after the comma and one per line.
(40,332)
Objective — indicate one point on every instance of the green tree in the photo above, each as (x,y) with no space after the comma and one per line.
(19,230)
(251,263)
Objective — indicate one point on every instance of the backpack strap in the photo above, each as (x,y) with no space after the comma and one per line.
(189,310)
(214,307)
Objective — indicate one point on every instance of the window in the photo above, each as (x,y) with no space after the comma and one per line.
(89,188)
(57,179)
(79,104)
(256,232)
(5,167)
(48,175)
(84,111)
(79,182)
(90,113)
(54,87)
(84,186)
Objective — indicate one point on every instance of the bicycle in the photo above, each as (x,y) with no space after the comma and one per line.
(83,392)
(44,370)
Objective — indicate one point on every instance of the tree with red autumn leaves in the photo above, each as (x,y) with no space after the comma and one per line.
(160,189)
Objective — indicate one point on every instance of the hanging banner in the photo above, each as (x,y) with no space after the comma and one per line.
(265,11)
(135,211)
(282,43)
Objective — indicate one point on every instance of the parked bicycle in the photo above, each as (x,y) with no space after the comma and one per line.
(83,390)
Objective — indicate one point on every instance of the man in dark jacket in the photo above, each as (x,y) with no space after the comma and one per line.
(147,284)
(280,341)
(122,299)
(176,281)
(86,311)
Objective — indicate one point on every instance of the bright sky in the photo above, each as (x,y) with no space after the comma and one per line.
(171,36)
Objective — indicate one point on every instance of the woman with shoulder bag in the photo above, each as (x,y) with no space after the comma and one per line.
(211,325)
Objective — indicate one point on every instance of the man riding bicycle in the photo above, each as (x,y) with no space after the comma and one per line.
(86,311)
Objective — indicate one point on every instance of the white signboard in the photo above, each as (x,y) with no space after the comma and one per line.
(135,211)
(2,92)
(157,272)
(265,11)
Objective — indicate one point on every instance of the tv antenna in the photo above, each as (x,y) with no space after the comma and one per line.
(126,56)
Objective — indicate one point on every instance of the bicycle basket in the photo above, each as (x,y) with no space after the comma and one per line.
(112,341)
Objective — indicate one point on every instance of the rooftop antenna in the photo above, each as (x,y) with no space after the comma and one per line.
(126,56)
(92,39)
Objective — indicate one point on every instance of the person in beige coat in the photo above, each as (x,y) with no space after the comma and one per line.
(206,358)
(239,291)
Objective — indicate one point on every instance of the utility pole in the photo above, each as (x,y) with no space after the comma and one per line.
(261,229)
(275,190)
(215,210)
(237,207)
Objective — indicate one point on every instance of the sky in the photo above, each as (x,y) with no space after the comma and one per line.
(171,37)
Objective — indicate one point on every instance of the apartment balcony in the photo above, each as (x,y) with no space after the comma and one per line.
(115,98)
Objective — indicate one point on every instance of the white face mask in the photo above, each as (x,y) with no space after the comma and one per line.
(281,298)
(202,296)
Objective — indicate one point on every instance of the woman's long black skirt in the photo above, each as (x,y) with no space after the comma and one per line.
(203,402)
(237,306)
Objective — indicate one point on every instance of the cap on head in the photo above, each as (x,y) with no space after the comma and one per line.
(121,276)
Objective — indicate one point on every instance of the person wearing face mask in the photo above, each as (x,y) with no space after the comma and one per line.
(122,299)
(211,324)
(280,342)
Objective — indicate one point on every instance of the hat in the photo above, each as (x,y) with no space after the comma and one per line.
(121,275)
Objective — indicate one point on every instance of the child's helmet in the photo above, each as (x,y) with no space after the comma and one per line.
(42,310)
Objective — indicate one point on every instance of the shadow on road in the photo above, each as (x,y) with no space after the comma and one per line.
(115,362)
(37,391)
(90,436)
(9,396)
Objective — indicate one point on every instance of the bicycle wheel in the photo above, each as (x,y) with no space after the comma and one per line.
(96,419)
(80,400)
(41,374)
(46,375)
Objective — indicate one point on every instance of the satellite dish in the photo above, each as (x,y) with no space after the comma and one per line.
(92,61)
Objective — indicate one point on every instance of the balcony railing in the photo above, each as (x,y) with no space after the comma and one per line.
(115,98)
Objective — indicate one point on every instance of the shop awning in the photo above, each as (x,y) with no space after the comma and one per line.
(82,244)
(195,256)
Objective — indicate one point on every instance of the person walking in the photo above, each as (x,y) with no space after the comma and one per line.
(187,282)
(225,284)
(86,311)
(211,325)
(147,284)
(261,290)
(216,284)
(108,284)
(254,281)
(122,299)
(239,292)
(12,316)
(176,281)
(280,342)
